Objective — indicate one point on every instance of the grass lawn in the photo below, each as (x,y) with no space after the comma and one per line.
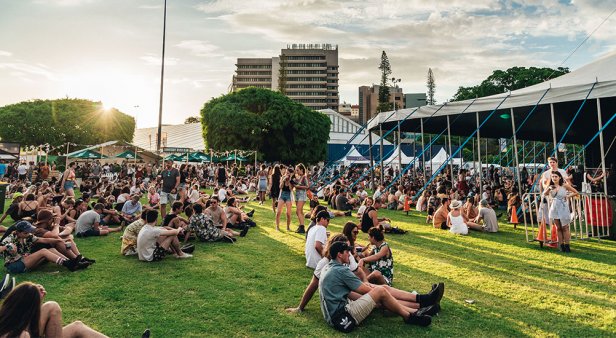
(242,289)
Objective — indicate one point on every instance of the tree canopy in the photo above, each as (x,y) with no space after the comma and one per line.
(385,68)
(192,119)
(511,79)
(278,127)
(60,121)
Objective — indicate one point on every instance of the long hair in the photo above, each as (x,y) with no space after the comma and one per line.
(347,230)
(335,238)
(21,311)
(561,181)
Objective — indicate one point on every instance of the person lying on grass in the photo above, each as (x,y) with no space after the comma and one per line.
(19,255)
(405,298)
(23,314)
(154,242)
(129,238)
(88,223)
(337,282)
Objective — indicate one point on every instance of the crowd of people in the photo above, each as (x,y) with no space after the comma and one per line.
(160,208)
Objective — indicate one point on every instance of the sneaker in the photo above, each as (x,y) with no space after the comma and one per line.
(348,213)
(429,310)
(184,255)
(188,248)
(294,310)
(146,333)
(251,213)
(300,230)
(244,231)
(415,319)
(71,265)
(88,260)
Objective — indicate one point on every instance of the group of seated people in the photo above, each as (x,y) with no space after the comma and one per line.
(458,218)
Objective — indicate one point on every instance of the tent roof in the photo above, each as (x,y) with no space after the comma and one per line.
(354,157)
(393,158)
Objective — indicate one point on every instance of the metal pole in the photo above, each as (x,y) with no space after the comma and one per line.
(371,158)
(515,149)
(162,75)
(66,159)
(479,154)
(381,152)
(601,146)
(553,128)
(450,152)
(423,152)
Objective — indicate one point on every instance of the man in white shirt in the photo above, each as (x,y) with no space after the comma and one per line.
(153,242)
(316,239)
(22,170)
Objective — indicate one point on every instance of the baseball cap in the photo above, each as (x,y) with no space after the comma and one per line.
(323,214)
(338,247)
(25,226)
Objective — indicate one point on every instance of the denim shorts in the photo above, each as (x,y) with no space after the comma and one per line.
(300,196)
(285,196)
(16,267)
(68,185)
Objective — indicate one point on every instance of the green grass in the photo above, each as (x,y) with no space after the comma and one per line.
(242,289)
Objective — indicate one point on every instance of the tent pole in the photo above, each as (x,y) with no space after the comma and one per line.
(381,152)
(431,169)
(487,156)
(450,153)
(399,149)
(423,153)
(601,145)
(479,154)
(515,149)
(371,158)
(553,128)
(461,153)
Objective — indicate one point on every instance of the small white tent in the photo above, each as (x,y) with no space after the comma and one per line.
(393,158)
(440,158)
(354,157)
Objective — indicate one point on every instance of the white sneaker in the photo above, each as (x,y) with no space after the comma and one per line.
(185,255)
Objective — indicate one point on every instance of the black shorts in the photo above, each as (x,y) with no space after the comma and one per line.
(444,226)
(159,253)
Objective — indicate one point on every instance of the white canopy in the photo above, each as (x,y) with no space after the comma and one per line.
(573,86)
(354,157)
(440,158)
(393,158)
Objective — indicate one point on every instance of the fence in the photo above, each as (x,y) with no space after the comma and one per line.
(591,216)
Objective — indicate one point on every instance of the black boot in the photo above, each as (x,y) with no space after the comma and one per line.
(562,248)
(567,248)
(301,230)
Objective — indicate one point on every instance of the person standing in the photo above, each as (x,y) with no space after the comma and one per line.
(171,181)
(262,187)
(301,186)
(68,181)
(275,186)
(284,200)
(559,213)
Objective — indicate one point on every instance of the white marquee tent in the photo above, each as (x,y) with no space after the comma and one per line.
(440,158)
(393,159)
(354,157)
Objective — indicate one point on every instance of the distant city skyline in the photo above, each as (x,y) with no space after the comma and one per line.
(110,50)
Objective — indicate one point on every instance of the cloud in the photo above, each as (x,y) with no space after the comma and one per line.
(199,48)
(27,71)
(154,60)
(151,6)
(63,2)
(5,53)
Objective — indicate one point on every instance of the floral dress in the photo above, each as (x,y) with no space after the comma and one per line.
(385,265)
(204,228)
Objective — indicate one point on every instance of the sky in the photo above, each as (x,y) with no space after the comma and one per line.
(110,50)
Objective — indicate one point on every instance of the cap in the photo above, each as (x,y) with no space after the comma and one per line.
(484,203)
(338,247)
(25,226)
(323,214)
(17,194)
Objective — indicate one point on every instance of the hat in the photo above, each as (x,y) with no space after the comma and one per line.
(484,203)
(455,204)
(323,214)
(17,194)
(338,247)
(25,226)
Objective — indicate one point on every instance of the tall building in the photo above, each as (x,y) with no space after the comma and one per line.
(308,73)
(369,101)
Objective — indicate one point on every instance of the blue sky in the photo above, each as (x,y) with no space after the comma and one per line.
(109,50)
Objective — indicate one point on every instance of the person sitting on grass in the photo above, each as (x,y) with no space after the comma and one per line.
(381,262)
(88,223)
(404,297)
(173,219)
(129,238)
(316,239)
(336,284)
(13,209)
(19,257)
(23,314)
(439,220)
(236,218)
(370,219)
(132,209)
(47,228)
(488,216)
(206,231)
(154,242)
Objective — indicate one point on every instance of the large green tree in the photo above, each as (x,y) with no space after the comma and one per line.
(56,122)
(385,68)
(511,79)
(261,119)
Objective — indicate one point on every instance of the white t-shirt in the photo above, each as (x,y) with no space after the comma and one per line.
(317,233)
(222,195)
(546,175)
(22,169)
(146,242)
(325,260)
(361,209)
(193,196)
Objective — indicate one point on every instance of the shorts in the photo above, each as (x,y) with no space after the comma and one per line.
(444,226)
(16,267)
(300,196)
(361,308)
(159,253)
(69,185)
(285,196)
(22,177)
(167,198)
(89,233)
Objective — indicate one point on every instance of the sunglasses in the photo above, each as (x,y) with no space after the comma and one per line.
(355,232)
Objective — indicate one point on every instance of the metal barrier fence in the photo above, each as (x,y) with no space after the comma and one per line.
(591,217)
